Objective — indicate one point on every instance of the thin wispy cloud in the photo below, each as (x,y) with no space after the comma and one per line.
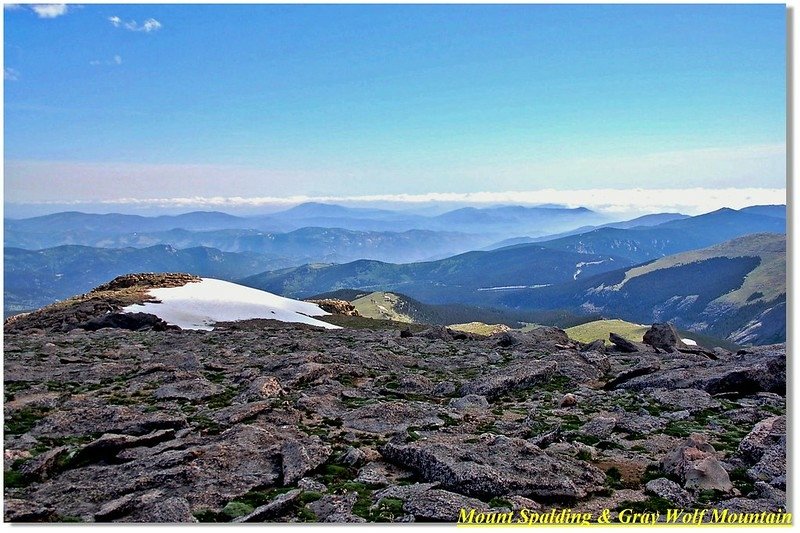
(49,11)
(116,60)
(10,74)
(147,26)
(689,201)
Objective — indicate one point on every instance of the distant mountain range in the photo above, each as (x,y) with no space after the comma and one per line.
(474,276)
(462,278)
(643,221)
(734,290)
(491,222)
(305,245)
(573,274)
(569,273)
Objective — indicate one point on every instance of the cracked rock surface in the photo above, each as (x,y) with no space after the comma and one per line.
(264,421)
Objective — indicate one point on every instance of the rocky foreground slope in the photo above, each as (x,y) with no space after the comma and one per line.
(266,421)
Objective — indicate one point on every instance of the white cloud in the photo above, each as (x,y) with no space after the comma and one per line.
(148,26)
(50,11)
(613,201)
(687,182)
(10,74)
(12,7)
(116,60)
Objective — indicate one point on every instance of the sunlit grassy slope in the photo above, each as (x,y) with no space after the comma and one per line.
(381,305)
(480,328)
(766,282)
(599,329)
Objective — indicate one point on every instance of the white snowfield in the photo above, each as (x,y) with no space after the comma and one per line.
(689,342)
(200,304)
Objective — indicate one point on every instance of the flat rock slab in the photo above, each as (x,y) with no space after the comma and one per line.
(513,377)
(207,475)
(273,509)
(392,417)
(495,466)
(90,420)
(758,369)
(438,505)
(691,400)
(190,389)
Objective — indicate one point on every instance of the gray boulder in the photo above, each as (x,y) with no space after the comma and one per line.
(512,377)
(691,400)
(695,464)
(392,417)
(189,389)
(756,370)
(438,505)
(132,321)
(600,427)
(336,508)
(664,337)
(772,465)
(444,388)
(109,445)
(761,438)
(469,402)
(44,465)
(643,368)
(670,491)
(622,344)
(595,346)
(301,457)
(495,466)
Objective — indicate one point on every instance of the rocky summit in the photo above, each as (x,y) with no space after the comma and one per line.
(262,421)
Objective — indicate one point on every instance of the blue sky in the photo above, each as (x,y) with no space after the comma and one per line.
(150,101)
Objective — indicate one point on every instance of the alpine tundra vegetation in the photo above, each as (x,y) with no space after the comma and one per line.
(265,420)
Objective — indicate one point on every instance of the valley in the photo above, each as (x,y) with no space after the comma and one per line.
(719,274)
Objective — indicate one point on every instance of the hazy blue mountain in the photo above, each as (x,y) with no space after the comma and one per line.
(462,278)
(116,223)
(734,290)
(320,210)
(472,276)
(499,220)
(573,273)
(505,219)
(646,220)
(305,245)
(116,229)
(777,211)
(36,278)
(639,244)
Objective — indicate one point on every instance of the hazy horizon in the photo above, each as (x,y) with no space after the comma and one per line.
(145,106)
(619,203)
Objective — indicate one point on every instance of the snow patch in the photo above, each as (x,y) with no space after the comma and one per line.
(579,267)
(513,287)
(200,304)
(689,342)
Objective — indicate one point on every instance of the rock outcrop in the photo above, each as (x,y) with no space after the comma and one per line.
(267,421)
(495,466)
(664,337)
(336,307)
